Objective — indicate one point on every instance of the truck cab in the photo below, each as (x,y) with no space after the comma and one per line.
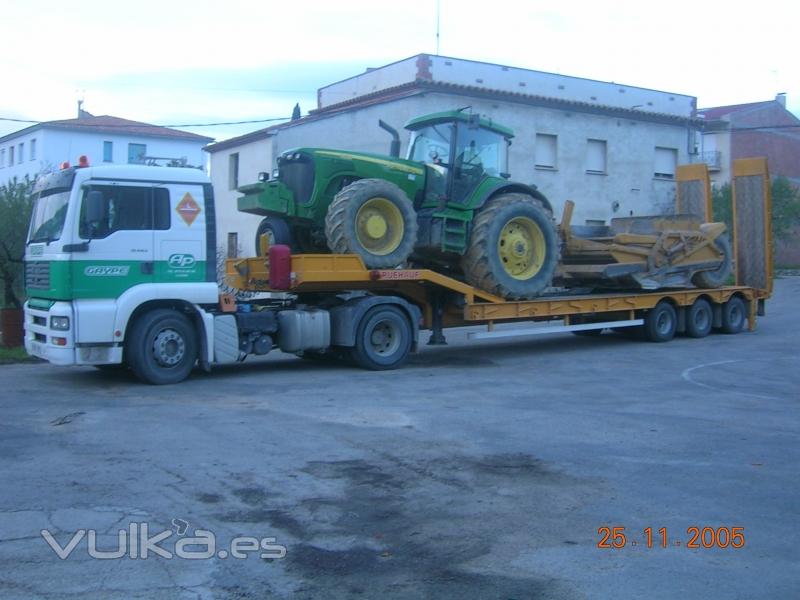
(105,242)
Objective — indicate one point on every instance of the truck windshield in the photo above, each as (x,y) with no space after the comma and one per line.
(49,213)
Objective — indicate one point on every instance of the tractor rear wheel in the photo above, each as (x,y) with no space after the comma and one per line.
(374,219)
(719,276)
(513,249)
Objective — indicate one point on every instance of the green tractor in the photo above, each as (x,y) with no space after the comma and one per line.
(449,205)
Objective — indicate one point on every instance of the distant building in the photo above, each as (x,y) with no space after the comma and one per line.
(611,148)
(104,139)
(747,130)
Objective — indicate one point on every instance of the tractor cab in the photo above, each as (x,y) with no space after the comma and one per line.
(460,150)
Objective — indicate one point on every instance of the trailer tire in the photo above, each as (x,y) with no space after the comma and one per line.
(661,322)
(734,314)
(513,248)
(717,277)
(699,318)
(374,219)
(277,230)
(383,339)
(161,347)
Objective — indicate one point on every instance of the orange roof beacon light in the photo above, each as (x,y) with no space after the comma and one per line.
(83,161)
(65,165)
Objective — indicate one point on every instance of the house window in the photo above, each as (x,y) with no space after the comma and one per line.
(596,156)
(233,171)
(666,161)
(546,146)
(108,152)
(136,154)
(21,153)
(11,156)
(33,149)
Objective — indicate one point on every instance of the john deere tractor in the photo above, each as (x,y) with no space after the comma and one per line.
(449,205)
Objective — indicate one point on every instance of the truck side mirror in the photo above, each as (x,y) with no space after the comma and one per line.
(95,208)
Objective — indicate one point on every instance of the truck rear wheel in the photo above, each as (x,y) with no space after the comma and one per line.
(383,339)
(374,219)
(513,249)
(161,347)
(699,318)
(661,322)
(734,314)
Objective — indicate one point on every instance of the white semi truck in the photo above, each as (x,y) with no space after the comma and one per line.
(121,270)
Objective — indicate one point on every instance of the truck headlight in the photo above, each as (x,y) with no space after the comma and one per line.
(59,323)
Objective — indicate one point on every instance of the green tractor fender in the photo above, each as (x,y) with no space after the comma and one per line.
(492,187)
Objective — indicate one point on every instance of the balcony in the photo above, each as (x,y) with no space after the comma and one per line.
(712,158)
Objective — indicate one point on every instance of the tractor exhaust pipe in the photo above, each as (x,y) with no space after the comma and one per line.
(394,149)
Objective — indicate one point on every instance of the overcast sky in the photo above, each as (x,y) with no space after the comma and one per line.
(209,61)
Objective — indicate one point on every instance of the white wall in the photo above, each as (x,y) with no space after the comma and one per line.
(442,69)
(253,157)
(54,146)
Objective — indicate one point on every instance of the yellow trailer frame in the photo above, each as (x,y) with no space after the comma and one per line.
(447,302)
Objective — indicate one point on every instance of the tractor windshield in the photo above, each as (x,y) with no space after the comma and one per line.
(432,144)
(480,150)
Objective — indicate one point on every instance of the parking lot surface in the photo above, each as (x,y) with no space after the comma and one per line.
(480,470)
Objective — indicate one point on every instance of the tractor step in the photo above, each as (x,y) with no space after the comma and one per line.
(454,235)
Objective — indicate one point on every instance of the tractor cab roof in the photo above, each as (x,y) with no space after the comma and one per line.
(457,115)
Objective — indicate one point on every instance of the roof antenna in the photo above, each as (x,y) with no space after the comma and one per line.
(438,6)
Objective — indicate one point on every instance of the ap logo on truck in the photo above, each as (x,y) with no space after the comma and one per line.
(181,261)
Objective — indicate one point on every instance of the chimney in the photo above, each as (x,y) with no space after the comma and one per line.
(80,108)
(781,99)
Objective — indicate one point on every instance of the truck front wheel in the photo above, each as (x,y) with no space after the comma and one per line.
(161,347)
(383,339)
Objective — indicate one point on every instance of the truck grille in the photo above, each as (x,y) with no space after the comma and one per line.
(37,275)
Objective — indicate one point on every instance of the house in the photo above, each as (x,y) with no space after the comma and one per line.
(754,129)
(104,139)
(611,148)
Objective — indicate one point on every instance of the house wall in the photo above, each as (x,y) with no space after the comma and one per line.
(628,187)
(253,157)
(54,146)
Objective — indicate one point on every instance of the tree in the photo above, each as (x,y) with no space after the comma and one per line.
(785,207)
(296,112)
(15,214)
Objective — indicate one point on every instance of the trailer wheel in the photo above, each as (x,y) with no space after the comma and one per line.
(734,314)
(162,347)
(383,339)
(277,232)
(661,322)
(699,318)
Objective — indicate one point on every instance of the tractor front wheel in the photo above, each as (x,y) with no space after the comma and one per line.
(374,219)
(513,250)
(277,231)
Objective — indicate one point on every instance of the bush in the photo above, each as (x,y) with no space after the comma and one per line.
(15,214)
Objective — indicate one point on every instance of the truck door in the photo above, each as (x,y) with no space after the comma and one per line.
(117,252)
(180,248)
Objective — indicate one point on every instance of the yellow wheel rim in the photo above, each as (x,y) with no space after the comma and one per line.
(379,226)
(521,248)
